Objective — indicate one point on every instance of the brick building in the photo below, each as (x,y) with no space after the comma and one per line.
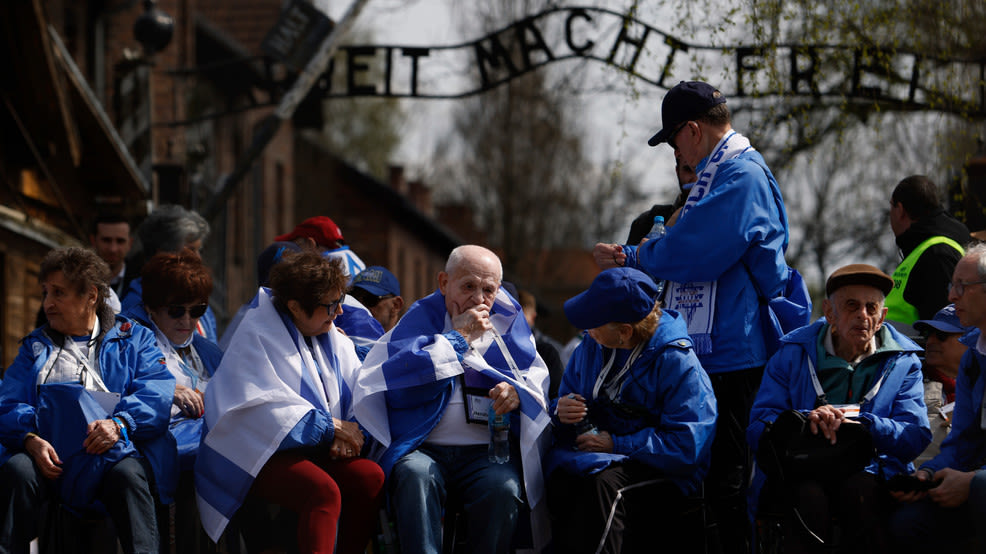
(60,159)
(94,120)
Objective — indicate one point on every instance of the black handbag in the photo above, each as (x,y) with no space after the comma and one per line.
(790,452)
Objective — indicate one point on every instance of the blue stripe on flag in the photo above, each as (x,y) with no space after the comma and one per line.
(308,390)
(221,483)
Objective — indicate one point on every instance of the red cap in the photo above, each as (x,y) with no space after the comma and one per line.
(320,228)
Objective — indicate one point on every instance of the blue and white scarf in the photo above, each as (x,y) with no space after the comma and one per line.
(267,381)
(697,300)
(404,385)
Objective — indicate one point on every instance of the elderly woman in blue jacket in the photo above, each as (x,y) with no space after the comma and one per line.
(635,408)
(83,411)
(846,369)
(175,294)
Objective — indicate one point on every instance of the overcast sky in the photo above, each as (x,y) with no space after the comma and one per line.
(616,124)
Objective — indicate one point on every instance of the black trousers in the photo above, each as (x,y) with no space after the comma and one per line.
(624,508)
(732,460)
(859,505)
(125,491)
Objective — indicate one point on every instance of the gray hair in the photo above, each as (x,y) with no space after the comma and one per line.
(977,250)
(82,268)
(470,253)
(169,228)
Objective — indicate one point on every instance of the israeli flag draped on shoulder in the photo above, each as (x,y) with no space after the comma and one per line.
(406,381)
(697,300)
(267,381)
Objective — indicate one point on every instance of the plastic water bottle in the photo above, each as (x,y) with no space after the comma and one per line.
(585,426)
(582,427)
(499,451)
(657,231)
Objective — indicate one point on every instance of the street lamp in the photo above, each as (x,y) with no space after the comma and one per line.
(153,29)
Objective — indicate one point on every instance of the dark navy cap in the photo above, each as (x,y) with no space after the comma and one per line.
(617,295)
(378,281)
(945,320)
(688,100)
(270,257)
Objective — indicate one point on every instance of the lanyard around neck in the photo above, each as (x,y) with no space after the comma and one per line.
(88,363)
(617,380)
(506,354)
(820,392)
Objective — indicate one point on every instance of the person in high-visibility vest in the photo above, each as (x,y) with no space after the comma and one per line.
(931,242)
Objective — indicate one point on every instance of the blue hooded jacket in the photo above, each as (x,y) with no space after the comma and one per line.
(896,416)
(187,433)
(675,408)
(965,447)
(737,231)
(130,363)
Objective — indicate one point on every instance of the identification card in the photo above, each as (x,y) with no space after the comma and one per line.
(477,406)
(946,413)
(106,400)
(849,410)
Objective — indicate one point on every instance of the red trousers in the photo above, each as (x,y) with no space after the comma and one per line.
(327,495)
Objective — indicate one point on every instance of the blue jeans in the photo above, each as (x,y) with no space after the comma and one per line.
(924,526)
(491,497)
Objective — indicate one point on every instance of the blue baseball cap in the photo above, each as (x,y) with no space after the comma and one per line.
(945,320)
(620,295)
(686,101)
(378,281)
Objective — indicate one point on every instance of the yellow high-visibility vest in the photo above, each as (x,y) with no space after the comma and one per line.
(897,308)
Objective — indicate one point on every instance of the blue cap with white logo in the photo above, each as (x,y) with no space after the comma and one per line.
(378,281)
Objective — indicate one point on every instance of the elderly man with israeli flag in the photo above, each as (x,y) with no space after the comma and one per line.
(424,394)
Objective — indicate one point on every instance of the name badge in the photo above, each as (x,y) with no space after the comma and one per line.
(849,410)
(946,413)
(107,400)
(477,406)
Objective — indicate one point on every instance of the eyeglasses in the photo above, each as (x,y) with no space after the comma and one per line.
(372,301)
(333,306)
(674,134)
(942,336)
(959,286)
(196,311)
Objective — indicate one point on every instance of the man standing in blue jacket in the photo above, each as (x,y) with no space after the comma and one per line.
(727,244)
(951,512)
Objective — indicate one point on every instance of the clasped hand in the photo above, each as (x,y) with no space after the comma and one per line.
(101,435)
(951,491)
(572,409)
(827,419)
(348,441)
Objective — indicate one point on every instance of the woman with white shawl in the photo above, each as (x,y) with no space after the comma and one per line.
(278,414)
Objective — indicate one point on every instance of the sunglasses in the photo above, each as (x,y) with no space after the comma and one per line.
(674,134)
(374,300)
(942,336)
(195,312)
(331,307)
